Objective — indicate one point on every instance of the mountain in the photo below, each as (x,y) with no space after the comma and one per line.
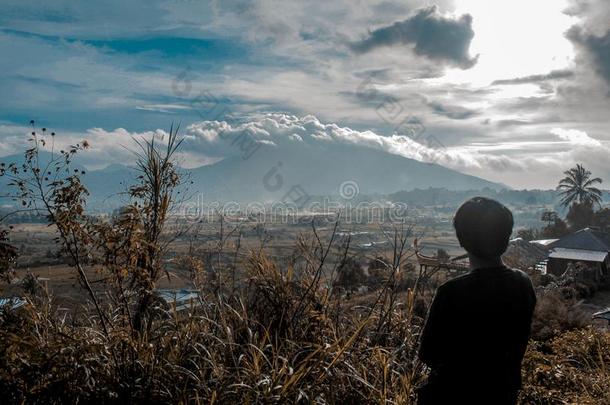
(271,172)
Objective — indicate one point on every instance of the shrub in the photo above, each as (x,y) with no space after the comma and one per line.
(350,274)
(571,368)
(555,314)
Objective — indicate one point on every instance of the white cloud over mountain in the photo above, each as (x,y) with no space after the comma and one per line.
(207,142)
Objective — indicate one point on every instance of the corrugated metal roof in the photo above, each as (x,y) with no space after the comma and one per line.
(585,239)
(578,254)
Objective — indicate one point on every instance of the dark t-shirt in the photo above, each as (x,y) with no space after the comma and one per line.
(475,337)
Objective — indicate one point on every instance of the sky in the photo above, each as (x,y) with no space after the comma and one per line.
(512,91)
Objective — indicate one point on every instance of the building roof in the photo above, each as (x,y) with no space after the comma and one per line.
(521,254)
(544,242)
(585,239)
(578,254)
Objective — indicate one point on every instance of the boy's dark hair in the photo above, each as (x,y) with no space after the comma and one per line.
(483,226)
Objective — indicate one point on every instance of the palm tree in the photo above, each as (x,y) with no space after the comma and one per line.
(577,186)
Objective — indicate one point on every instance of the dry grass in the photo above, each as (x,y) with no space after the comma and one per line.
(571,368)
(266,345)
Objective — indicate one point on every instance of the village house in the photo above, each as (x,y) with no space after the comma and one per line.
(589,246)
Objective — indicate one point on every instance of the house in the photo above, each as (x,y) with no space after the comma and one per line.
(523,255)
(589,246)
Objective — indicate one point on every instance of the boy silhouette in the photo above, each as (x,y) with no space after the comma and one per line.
(479,323)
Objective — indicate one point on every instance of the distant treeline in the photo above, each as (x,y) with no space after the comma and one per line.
(12,216)
(442,196)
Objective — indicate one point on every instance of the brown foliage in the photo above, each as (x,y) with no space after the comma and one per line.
(572,368)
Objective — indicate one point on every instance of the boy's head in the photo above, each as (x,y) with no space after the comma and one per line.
(483,226)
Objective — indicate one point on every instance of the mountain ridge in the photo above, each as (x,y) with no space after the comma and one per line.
(272,172)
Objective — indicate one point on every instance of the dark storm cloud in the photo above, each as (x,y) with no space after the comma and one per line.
(555,74)
(431,34)
(596,47)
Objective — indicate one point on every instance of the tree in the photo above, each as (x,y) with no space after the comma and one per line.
(549,217)
(527,234)
(53,188)
(129,247)
(378,270)
(577,187)
(580,215)
(350,274)
(442,256)
(555,230)
(601,219)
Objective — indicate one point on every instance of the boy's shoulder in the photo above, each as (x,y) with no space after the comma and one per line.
(473,275)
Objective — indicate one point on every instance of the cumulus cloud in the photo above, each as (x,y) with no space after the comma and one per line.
(497,161)
(575,137)
(594,14)
(106,146)
(280,130)
(430,33)
(591,36)
(315,23)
